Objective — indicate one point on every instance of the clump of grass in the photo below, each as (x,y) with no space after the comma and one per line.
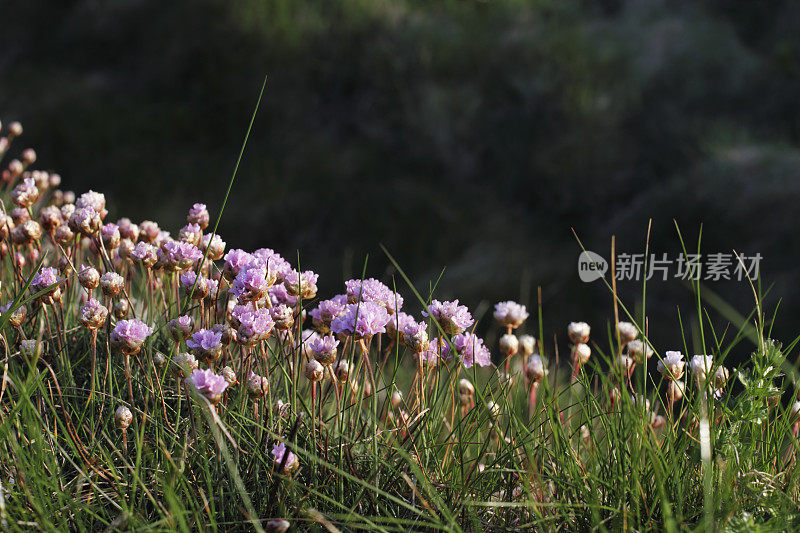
(160,383)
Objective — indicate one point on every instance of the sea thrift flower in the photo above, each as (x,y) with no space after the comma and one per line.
(414,336)
(93,200)
(89,278)
(509,344)
(361,320)
(30,349)
(111,284)
(206,345)
(251,284)
(272,260)
(397,322)
(701,366)
(627,332)
(44,280)
(510,314)
(372,290)
(18,315)
(185,364)
(51,218)
(190,233)
(226,332)
(198,215)
(675,390)
(149,231)
(216,248)
(578,332)
(235,261)
(197,288)
(254,326)
(534,368)
(624,365)
(285,457)
(85,221)
(257,386)
(283,317)
(229,375)
(324,349)
(639,351)
(110,235)
(303,344)
(26,233)
(472,350)
(93,314)
(25,194)
(527,344)
(208,384)
(301,284)
(123,417)
(671,367)
(129,335)
(180,328)
(128,230)
(581,354)
(452,318)
(146,254)
(179,255)
(427,358)
(278,295)
(326,311)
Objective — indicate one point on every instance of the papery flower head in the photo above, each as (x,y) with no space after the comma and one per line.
(671,367)
(285,457)
(534,368)
(129,335)
(206,344)
(451,317)
(180,328)
(324,349)
(252,283)
(179,255)
(235,261)
(272,260)
(361,320)
(254,326)
(396,323)
(198,215)
(372,290)
(25,193)
(510,314)
(578,332)
(44,280)
(302,284)
(93,200)
(111,284)
(51,218)
(93,314)
(146,254)
(326,311)
(216,248)
(191,233)
(278,296)
(701,366)
(283,316)
(639,351)
(414,336)
(627,332)
(208,384)
(471,349)
(110,235)
(85,221)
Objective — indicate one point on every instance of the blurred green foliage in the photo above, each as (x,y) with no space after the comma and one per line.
(459,133)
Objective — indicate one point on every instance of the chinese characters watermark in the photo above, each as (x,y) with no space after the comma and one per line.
(689,267)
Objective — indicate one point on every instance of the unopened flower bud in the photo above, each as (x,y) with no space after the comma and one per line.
(257,386)
(121,308)
(314,370)
(123,417)
(527,345)
(627,332)
(509,345)
(185,364)
(397,398)
(229,375)
(277,525)
(581,353)
(534,368)
(578,332)
(721,376)
(342,370)
(89,278)
(639,351)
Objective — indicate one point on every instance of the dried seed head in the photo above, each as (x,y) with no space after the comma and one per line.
(123,417)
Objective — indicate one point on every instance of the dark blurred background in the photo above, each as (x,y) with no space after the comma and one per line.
(470,136)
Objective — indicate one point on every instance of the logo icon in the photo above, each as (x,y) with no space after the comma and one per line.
(591,266)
